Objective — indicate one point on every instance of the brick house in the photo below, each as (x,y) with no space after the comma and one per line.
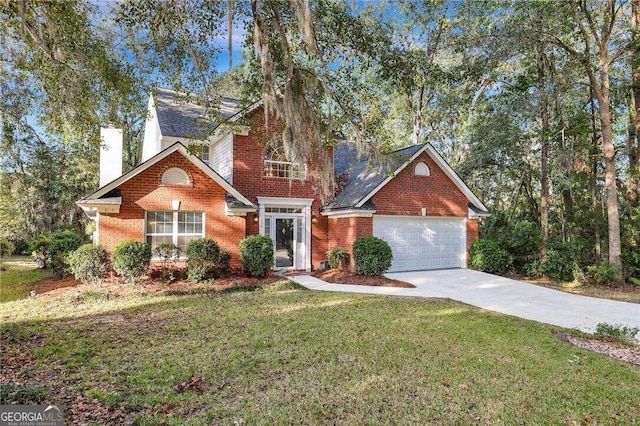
(199,179)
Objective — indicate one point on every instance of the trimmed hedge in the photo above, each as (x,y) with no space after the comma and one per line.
(371,256)
(257,255)
(89,264)
(131,259)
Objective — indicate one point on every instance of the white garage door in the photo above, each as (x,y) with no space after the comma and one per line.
(423,242)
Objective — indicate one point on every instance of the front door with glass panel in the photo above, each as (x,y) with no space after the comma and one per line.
(284,241)
(285,227)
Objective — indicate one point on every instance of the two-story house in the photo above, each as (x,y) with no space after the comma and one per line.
(225,187)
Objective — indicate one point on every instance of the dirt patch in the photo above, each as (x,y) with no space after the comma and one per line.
(625,293)
(615,350)
(340,276)
(52,284)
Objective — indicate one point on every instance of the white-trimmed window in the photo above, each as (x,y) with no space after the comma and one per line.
(175,176)
(277,165)
(174,227)
(422,170)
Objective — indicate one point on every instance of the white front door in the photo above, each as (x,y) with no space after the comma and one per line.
(288,222)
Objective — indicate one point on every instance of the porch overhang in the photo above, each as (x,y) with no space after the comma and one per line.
(100,205)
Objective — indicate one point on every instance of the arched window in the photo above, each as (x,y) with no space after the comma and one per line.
(277,165)
(175,176)
(422,170)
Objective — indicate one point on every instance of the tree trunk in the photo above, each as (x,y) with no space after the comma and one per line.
(601,92)
(635,64)
(544,152)
(595,200)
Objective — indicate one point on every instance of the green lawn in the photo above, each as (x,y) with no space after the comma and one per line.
(17,281)
(289,356)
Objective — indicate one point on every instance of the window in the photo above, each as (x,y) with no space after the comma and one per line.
(282,210)
(422,170)
(175,176)
(277,165)
(200,151)
(174,227)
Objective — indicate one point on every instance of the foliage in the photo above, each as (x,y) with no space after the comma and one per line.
(487,256)
(6,248)
(337,257)
(562,262)
(131,259)
(617,332)
(256,252)
(89,264)
(602,274)
(371,256)
(203,249)
(51,250)
(168,253)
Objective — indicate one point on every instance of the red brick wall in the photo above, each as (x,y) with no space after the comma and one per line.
(344,231)
(407,194)
(145,193)
(472,235)
(248,165)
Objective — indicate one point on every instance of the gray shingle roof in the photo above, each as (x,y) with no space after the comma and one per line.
(363,177)
(179,116)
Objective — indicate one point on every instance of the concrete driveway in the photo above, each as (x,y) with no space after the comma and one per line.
(502,295)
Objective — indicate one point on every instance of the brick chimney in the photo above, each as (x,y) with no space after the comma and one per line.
(110,155)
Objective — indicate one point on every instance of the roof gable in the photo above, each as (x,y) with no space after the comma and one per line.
(364,181)
(176,147)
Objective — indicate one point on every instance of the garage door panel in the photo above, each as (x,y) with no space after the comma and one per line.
(423,242)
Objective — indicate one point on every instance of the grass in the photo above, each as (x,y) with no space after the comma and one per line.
(283,355)
(626,294)
(18,280)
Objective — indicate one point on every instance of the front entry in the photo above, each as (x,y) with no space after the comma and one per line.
(288,222)
(284,242)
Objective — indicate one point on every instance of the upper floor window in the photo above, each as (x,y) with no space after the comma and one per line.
(422,170)
(277,165)
(200,151)
(175,176)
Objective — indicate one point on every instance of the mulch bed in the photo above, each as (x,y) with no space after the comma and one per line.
(341,276)
(152,284)
(615,350)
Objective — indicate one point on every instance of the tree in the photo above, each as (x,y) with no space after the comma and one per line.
(596,35)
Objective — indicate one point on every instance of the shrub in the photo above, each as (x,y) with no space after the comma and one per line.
(204,255)
(203,249)
(6,248)
(337,257)
(168,253)
(617,332)
(131,259)
(602,274)
(257,255)
(487,256)
(51,250)
(561,262)
(371,256)
(89,264)
(224,263)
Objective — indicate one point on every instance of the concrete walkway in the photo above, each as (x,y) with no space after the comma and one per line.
(500,294)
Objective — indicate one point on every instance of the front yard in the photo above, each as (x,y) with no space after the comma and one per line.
(283,355)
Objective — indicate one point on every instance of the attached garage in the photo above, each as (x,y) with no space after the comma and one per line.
(421,242)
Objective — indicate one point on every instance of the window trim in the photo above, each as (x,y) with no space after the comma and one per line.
(293,170)
(425,172)
(185,175)
(174,234)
